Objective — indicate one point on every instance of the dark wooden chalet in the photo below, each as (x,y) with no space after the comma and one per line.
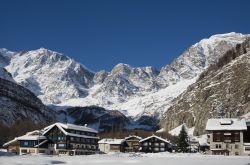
(155,144)
(133,143)
(71,139)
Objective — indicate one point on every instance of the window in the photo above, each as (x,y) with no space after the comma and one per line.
(156,149)
(25,143)
(247,148)
(156,144)
(60,138)
(162,149)
(162,144)
(236,136)
(236,153)
(217,136)
(145,144)
(218,146)
(61,145)
(236,146)
(82,140)
(77,139)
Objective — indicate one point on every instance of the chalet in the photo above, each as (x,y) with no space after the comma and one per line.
(133,143)
(30,143)
(112,145)
(226,136)
(57,138)
(155,144)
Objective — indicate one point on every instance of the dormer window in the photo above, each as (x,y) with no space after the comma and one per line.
(226,121)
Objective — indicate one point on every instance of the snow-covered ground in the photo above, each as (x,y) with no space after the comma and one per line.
(125,159)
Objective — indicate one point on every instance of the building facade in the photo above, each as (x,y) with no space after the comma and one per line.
(155,144)
(133,143)
(112,145)
(28,144)
(58,138)
(226,136)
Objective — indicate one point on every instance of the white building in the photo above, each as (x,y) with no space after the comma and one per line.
(112,145)
(226,136)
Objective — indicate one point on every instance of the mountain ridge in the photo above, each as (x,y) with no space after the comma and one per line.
(137,92)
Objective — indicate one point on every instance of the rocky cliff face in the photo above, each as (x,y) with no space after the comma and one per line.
(224,87)
(18,103)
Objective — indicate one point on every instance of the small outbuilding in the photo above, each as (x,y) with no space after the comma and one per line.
(112,145)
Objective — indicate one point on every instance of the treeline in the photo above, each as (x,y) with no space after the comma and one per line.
(19,128)
(230,55)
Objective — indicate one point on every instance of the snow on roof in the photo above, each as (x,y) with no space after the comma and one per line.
(111,141)
(77,127)
(133,136)
(165,140)
(33,137)
(62,127)
(226,124)
(203,140)
(25,137)
(36,132)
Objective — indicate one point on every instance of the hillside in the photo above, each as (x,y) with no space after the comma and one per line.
(18,103)
(223,88)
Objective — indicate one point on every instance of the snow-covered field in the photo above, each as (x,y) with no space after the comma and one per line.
(126,159)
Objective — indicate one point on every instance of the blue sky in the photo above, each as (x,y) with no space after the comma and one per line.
(102,33)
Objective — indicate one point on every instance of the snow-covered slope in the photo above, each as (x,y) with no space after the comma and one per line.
(52,76)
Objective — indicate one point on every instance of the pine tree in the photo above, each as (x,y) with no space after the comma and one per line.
(183,140)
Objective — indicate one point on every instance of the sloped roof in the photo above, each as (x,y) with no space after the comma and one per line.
(165,140)
(62,127)
(226,124)
(25,137)
(133,136)
(111,141)
(72,126)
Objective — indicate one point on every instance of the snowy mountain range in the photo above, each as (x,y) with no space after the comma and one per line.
(137,92)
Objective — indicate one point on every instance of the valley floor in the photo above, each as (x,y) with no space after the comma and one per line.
(126,159)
